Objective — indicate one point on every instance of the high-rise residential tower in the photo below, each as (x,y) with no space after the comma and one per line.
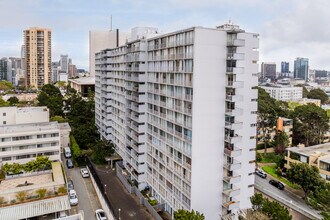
(38,56)
(301,68)
(181,109)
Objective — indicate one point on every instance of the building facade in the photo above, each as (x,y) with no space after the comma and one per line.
(38,56)
(301,68)
(268,70)
(285,67)
(284,93)
(173,105)
(318,155)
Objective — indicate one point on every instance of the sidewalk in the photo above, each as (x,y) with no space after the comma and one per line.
(120,198)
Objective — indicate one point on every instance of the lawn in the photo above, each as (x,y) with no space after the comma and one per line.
(268,158)
(271,171)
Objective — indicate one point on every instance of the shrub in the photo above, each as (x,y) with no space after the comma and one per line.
(76,152)
(2,200)
(41,192)
(13,201)
(21,196)
(61,190)
(152,202)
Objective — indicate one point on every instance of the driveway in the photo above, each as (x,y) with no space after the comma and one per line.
(120,198)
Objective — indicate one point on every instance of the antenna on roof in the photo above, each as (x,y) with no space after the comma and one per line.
(110,22)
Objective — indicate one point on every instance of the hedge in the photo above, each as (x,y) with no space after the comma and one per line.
(75,149)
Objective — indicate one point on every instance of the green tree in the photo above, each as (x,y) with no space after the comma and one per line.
(310,124)
(6,85)
(281,142)
(51,97)
(3,103)
(272,209)
(101,150)
(182,214)
(76,152)
(58,118)
(318,94)
(13,100)
(305,176)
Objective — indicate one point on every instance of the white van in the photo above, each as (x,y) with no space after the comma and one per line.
(67,152)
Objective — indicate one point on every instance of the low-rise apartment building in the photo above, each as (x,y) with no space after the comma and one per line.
(15,115)
(318,155)
(284,93)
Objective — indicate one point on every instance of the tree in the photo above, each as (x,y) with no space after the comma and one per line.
(6,85)
(182,214)
(281,142)
(3,103)
(101,150)
(267,115)
(51,97)
(305,91)
(318,94)
(272,209)
(13,100)
(306,176)
(58,118)
(310,124)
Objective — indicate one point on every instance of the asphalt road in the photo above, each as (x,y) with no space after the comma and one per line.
(285,195)
(87,198)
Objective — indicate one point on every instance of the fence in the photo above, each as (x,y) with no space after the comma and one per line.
(99,188)
(135,191)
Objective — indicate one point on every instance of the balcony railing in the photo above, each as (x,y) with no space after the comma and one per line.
(234,165)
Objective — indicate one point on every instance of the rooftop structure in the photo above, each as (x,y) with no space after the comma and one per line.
(24,115)
(83,85)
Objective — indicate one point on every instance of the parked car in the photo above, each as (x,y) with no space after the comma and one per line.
(277,184)
(84,172)
(69,163)
(70,185)
(100,214)
(261,173)
(67,152)
(73,197)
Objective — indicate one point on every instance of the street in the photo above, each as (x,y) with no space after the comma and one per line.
(283,195)
(87,198)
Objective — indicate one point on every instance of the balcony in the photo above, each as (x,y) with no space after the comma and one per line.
(236,43)
(234,98)
(235,152)
(231,205)
(231,192)
(232,179)
(234,165)
(235,84)
(235,56)
(235,70)
(234,125)
(234,112)
(233,140)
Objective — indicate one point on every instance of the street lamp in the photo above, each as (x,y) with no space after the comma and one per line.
(105,188)
(119,214)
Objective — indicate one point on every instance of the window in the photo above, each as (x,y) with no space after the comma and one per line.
(4,122)
(4,114)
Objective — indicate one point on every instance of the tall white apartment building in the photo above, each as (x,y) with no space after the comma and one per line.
(190,115)
(284,93)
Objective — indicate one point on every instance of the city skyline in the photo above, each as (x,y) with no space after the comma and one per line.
(287,28)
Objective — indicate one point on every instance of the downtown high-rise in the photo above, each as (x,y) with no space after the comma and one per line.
(301,68)
(181,109)
(38,56)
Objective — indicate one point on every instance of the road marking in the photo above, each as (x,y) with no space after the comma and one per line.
(89,196)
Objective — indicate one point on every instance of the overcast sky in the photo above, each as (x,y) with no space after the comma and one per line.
(287,28)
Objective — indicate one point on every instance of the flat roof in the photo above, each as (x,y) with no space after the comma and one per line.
(36,208)
(64,126)
(42,126)
(326,160)
(317,149)
(84,81)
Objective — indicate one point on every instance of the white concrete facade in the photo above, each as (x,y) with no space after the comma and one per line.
(15,115)
(199,111)
(284,93)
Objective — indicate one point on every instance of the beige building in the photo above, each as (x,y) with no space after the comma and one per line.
(101,40)
(38,53)
(318,155)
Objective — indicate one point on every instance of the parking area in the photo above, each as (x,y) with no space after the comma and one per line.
(88,200)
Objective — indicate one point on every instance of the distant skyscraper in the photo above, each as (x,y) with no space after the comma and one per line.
(55,69)
(321,73)
(301,68)
(5,67)
(268,70)
(101,40)
(284,67)
(72,70)
(64,63)
(38,53)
